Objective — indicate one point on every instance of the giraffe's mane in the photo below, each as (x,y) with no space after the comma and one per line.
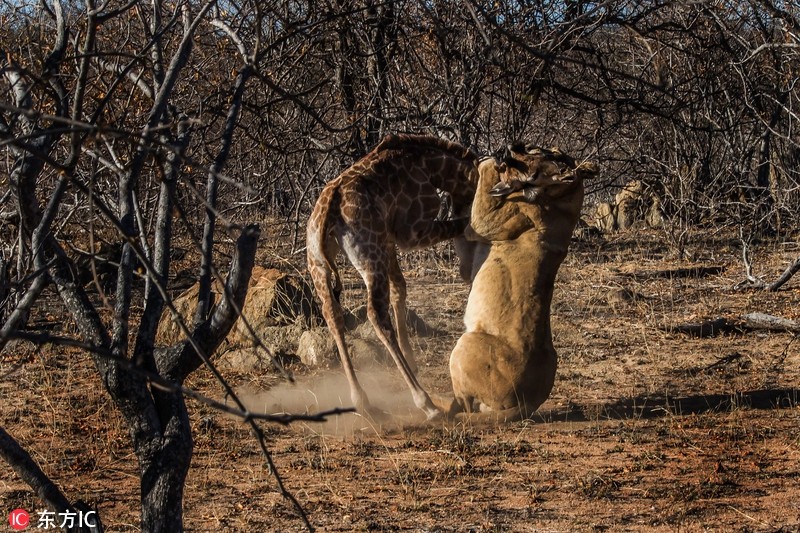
(426,142)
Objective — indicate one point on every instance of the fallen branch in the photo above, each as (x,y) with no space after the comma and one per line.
(680,273)
(790,271)
(753,282)
(763,321)
(748,322)
(722,361)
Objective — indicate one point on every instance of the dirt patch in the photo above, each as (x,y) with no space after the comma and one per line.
(646,429)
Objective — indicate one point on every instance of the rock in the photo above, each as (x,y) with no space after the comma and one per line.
(629,205)
(368,353)
(585,233)
(273,299)
(655,217)
(356,318)
(276,299)
(317,348)
(245,360)
(605,218)
(281,341)
(632,191)
(368,346)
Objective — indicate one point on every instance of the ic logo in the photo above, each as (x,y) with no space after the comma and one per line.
(19,519)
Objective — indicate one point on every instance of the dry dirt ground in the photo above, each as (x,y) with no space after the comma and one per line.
(646,429)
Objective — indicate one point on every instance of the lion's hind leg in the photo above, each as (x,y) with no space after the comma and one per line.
(483,368)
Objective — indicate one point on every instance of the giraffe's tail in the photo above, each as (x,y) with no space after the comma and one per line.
(321,251)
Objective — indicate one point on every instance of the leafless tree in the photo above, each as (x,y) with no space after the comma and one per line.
(99,117)
(128,124)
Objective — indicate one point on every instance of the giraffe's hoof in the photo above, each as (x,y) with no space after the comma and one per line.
(434,414)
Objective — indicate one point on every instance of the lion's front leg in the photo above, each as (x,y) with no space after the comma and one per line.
(494,219)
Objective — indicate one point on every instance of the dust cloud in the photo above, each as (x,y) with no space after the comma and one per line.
(385,390)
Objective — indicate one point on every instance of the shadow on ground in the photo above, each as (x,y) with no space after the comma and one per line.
(648,407)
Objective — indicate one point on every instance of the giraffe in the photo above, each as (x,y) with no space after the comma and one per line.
(388,200)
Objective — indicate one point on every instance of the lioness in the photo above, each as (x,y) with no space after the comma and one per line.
(524,212)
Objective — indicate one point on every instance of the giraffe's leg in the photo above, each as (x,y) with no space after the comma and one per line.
(465,250)
(434,232)
(376,277)
(398,298)
(326,283)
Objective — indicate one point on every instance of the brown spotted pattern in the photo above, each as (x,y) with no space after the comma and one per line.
(388,200)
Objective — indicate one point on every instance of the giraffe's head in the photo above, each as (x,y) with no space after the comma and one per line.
(535,171)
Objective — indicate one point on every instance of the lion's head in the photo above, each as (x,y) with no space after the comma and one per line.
(535,170)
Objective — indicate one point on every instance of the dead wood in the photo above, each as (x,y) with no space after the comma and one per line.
(748,322)
(274,299)
(26,467)
(655,407)
(763,321)
(5,287)
(790,271)
(753,282)
(723,361)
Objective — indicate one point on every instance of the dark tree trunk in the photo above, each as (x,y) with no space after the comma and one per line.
(164,463)
(158,419)
(4,290)
(381,20)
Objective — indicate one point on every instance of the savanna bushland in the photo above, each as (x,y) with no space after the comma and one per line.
(153,146)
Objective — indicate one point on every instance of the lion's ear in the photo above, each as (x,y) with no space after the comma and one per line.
(587,170)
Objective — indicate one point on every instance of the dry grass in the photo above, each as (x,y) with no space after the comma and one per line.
(645,430)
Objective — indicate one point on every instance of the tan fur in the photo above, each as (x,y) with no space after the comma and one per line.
(505,362)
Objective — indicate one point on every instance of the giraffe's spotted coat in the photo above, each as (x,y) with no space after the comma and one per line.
(388,200)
